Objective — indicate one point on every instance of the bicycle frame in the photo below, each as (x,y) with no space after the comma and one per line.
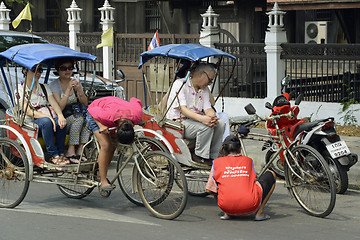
(280,138)
(135,150)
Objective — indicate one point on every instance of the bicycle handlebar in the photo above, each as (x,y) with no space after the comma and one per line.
(272,118)
(275,117)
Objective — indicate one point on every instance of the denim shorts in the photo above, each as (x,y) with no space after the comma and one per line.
(91,123)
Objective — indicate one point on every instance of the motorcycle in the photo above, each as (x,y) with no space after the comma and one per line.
(320,134)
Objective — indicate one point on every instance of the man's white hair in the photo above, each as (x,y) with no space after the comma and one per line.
(205,67)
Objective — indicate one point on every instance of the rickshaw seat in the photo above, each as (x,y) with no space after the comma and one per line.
(31,127)
(26,125)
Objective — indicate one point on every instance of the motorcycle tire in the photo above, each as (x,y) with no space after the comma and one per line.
(339,172)
(277,166)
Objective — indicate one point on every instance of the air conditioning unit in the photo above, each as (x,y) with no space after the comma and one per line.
(316,32)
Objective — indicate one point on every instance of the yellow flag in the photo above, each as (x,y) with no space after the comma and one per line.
(107,38)
(24,15)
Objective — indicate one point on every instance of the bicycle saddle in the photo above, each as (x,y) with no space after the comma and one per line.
(242,119)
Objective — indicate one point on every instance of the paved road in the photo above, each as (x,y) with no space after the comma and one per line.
(47,214)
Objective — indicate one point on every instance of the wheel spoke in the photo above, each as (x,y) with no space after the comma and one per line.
(14,173)
(315,189)
(127,178)
(197,179)
(166,199)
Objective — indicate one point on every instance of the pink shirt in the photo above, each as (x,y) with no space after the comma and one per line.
(195,101)
(109,109)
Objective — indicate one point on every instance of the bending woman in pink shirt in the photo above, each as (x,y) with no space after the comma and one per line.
(108,112)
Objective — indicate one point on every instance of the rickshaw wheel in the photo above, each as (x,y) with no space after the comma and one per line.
(79,192)
(76,192)
(196,180)
(14,173)
(2,116)
(127,178)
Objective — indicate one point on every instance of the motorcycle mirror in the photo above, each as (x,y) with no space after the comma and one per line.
(120,74)
(250,109)
(268,105)
(286,80)
(299,99)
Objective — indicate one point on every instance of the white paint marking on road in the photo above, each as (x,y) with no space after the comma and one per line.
(353,190)
(88,213)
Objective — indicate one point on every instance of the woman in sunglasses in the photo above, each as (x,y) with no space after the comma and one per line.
(69,93)
(45,112)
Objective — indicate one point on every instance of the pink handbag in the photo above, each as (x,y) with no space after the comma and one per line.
(49,111)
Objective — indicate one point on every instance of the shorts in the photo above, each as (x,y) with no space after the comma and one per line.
(267,180)
(91,124)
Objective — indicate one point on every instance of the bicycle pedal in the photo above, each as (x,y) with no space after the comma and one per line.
(103,193)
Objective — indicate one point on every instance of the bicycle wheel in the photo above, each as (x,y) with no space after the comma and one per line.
(160,194)
(14,173)
(314,187)
(127,178)
(196,180)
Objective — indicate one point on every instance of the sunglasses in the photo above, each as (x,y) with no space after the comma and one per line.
(210,80)
(63,68)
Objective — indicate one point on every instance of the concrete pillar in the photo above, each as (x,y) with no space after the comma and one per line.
(274,37)
(4,17)
(74,21)
(107,21)
(209,35)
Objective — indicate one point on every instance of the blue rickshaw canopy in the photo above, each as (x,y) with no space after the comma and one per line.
(191,52)
(30,55)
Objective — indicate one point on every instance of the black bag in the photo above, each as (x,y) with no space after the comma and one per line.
(78,109)
(68,110)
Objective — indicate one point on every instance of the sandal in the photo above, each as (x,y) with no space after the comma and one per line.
(107,188)
(58,160)
(73,159)
(83,158)
(225,217)
(264,218)
(64,158)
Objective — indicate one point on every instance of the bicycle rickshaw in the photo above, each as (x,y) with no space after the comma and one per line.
(155,175)
(178,60)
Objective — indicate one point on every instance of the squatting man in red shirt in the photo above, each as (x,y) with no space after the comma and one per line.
(232,182)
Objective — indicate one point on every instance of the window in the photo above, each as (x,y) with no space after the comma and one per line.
(53,17)
(97,15)
(152,17)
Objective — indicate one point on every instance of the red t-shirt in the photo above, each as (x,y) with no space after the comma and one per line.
(238,192)
(109,109)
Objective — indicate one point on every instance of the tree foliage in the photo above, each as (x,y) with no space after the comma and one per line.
(9,3)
